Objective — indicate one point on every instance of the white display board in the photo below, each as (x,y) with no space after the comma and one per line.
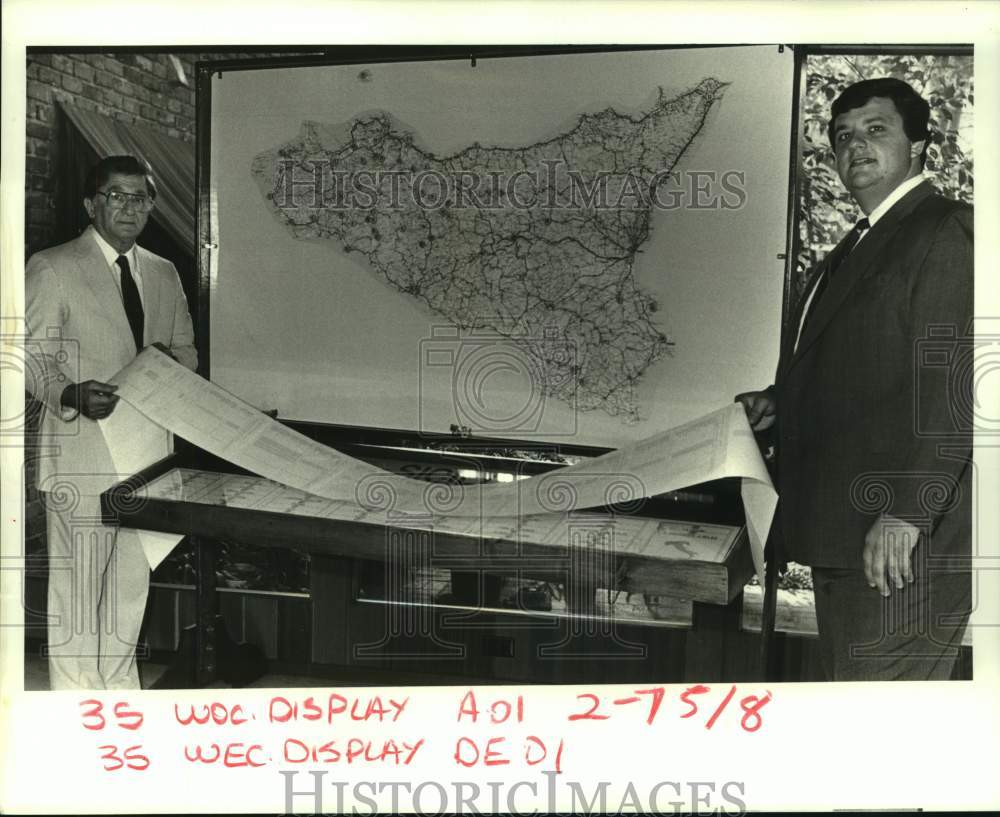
(574,248)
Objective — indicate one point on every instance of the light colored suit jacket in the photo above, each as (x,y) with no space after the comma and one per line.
(873,412)
(77,330)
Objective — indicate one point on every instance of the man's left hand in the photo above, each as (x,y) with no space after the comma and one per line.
(889,544)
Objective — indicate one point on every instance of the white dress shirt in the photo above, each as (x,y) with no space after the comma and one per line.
(111,255)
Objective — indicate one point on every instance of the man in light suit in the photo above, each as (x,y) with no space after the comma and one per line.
(872,439)
(90,306)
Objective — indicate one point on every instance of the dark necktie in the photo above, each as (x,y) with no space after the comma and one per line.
(132,301)
(836,259)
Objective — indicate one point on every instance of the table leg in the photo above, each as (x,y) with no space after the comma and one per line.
(206,652)
(208,625)
(714,633)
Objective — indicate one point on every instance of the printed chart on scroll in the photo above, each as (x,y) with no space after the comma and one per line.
(576,247)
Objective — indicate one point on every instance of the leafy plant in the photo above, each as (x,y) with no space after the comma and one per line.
(826,209)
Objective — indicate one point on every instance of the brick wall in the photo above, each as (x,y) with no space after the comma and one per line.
(137,88)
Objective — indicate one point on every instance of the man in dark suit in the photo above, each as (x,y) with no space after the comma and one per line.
(90,305)
(873,450)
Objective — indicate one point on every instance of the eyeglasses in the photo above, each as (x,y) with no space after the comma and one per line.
(118,200)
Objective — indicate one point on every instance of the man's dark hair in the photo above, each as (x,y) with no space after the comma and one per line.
(99,174)
(912,107)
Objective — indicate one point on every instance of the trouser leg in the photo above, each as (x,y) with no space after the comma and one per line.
(123,602)
(78,550)
(98,584)
(913,634)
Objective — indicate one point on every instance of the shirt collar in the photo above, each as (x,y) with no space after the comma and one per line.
(110,253)
(886,203)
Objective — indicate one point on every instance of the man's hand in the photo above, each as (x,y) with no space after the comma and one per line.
(760,408)
(92,398)
(889,544)
(164,349)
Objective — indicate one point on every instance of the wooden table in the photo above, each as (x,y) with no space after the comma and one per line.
(574,549)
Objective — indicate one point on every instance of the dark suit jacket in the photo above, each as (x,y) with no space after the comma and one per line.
(873,412)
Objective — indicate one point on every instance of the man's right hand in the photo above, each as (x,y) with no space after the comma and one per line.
(760,408)
(92,398)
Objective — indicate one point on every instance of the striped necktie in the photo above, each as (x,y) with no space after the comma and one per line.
(836,259)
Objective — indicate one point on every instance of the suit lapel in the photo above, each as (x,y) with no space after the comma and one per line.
(150,285)
(93,269)
(855,267)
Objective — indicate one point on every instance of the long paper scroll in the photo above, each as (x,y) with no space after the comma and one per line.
(715,446)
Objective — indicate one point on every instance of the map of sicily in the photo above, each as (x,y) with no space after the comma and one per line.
(536,243)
